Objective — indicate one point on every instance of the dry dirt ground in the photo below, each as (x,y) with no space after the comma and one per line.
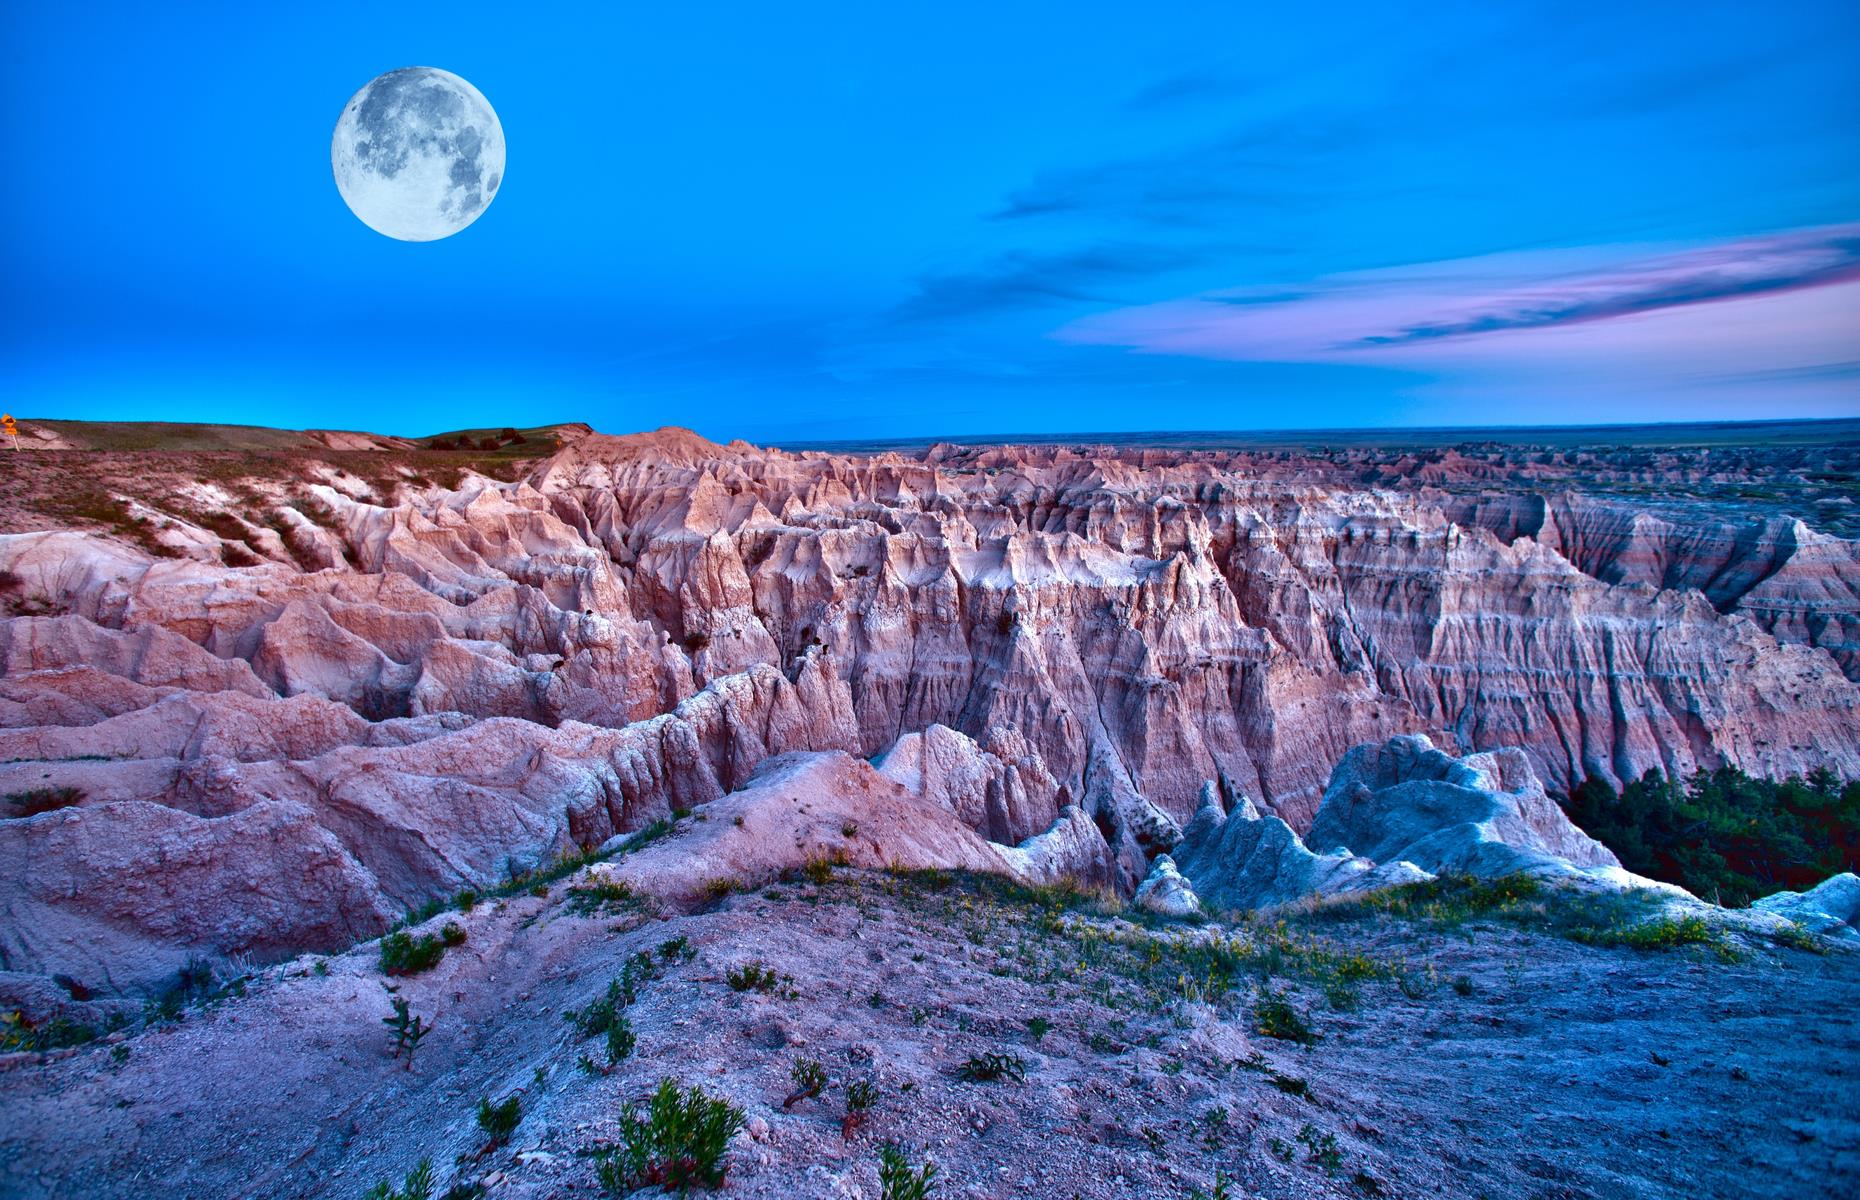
(1473,1058)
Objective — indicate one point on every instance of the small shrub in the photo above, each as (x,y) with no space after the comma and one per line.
(1276,1017)
(600,896)
(819,871)
(603,1017)
(860,1097)
(621,1040)
(499,1120)
(43,800)
(408,1029)
(677,1143)
(1221,1189)
(419,1185)
(1462,985)
(988,1068)
(719,888)
(1291,1085)
(752,976)
(1797,936)
(194,984)
(403,953)
(1214,1130)
(809,1079)
(57,1033)
(1664,933)
(1039,1027)
(898,1180)
(1342,996)
(674,949)
(1321,1149)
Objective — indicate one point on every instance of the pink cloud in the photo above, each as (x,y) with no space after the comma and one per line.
(1778,301)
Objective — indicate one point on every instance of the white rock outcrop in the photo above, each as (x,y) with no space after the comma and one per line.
(1164,891)
(1395,812)
(1831,908)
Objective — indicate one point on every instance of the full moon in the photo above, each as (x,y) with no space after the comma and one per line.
(418,154)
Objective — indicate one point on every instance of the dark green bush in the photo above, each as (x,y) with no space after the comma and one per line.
(1724,835)
(43,800)
(1275,1016)
(898,1180)
(987,1068)
(677,1143)
(418,1186)
(404,954)
(752,976)
(604,895)
(499,1120)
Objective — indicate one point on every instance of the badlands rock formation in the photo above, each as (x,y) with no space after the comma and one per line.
(1413,811)
(1831,908)
(277,701)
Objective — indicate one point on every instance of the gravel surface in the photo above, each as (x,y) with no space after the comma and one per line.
(1474,1060)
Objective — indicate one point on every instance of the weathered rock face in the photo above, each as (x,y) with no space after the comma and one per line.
(427,686)
(1484,814)
(1831,908)
(1415,811)
(811,807)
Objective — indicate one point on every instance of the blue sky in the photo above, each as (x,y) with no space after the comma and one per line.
(858,220)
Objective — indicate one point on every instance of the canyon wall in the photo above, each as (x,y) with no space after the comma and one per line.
(417,689)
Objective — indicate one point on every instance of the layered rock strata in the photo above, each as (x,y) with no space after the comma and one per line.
(419,689)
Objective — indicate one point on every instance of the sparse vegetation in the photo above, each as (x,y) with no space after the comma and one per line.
(819,871)
(990,1067)
(754,975)
(1663,933)
(55,1033)
(409,1030)
(1797,936)
(1221,1190)
(1214,1128)
(43,800)
(898,1180)
(1321,1149)
(418,1185)
(499,1120)
(677,1143)
(605,895)
(861,1095)
(604,1017)
(809,1078)
(403,953)
(195,984)
(719,888)
(1275,1016)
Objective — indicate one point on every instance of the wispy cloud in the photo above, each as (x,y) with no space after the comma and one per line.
(1347,317)
(1024,278)
(1738,269)
(1190,87)
(1255,167)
